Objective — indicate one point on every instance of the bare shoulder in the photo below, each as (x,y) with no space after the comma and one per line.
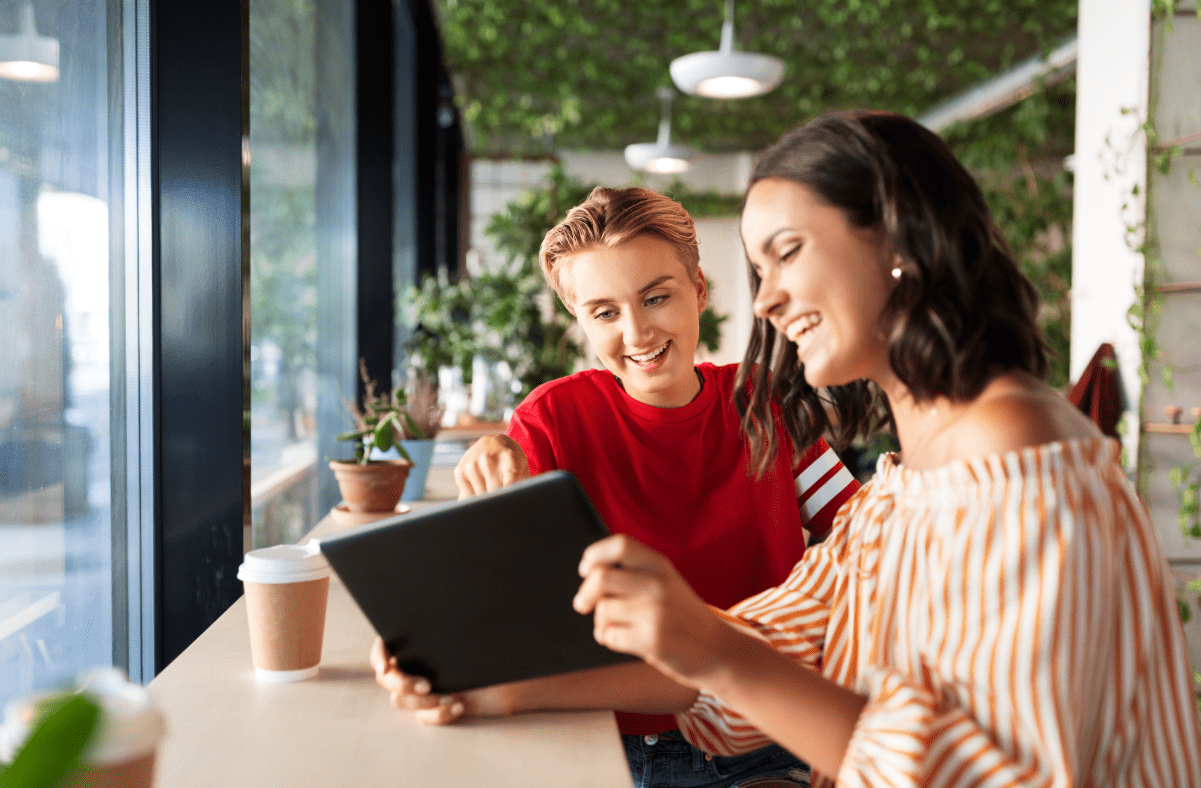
(1014,412)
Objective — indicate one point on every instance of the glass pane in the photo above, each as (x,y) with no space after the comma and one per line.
(283,272)
(57,208)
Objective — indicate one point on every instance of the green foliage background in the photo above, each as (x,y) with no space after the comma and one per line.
(589,69)
(1017,158)
(582,74)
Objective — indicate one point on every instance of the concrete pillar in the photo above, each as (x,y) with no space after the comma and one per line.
(1110,186)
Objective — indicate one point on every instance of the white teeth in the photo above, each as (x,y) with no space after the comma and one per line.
(802,324)
(645,357)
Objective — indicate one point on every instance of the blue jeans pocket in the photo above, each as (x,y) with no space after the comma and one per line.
(670,762)
(771,758)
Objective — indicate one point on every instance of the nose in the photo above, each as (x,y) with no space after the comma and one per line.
(637,329)
(770,296)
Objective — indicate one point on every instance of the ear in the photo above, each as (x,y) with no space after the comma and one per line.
(896,267)
(702,290)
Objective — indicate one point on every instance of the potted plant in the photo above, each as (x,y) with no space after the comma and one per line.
(419,430)
(373,487)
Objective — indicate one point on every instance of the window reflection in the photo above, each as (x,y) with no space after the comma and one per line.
(283,274)
(55,383)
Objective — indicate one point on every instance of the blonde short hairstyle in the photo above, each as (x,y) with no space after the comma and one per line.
(610,217)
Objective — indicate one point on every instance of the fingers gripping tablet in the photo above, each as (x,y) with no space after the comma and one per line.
(478,592)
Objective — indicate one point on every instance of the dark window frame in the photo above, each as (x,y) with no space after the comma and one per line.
(184,387)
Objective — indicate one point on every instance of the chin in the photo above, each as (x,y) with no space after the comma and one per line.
(818,376)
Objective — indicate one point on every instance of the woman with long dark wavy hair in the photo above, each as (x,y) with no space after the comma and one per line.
(993,608)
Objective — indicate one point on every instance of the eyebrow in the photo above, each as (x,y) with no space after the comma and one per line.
(766,246)
(648,286)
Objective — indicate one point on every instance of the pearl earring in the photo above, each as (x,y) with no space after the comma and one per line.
(896,272)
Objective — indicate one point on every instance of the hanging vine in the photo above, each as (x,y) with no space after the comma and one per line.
(1146,312)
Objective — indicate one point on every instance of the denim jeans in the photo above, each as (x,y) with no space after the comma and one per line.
(667,760)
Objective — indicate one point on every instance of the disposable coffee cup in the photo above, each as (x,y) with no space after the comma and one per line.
(121,752)
(287,587)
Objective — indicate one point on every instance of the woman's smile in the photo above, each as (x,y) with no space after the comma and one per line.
(822,282)
(801,326)
(640,308)
(651,360)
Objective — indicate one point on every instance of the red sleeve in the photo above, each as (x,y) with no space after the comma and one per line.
(823,485)
(528,428)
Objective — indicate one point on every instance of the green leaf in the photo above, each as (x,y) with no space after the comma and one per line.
(383,437)
(412,429)
(54,750)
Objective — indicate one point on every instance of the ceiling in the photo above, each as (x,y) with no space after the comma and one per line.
(539,76)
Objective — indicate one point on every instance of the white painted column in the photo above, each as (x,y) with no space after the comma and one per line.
(1113,77)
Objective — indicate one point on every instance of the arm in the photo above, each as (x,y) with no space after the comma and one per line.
(1063,614)
(492,462)
(633,686)
(823,485)
(642,606)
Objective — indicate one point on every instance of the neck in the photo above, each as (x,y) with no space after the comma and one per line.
(918,423)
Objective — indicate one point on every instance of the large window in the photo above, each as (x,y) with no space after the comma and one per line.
(283,268)
(61,218)
(304,252)
(124,197)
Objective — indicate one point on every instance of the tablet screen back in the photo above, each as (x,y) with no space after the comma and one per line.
(478,592)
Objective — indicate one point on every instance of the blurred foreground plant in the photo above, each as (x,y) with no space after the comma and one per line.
(53,752)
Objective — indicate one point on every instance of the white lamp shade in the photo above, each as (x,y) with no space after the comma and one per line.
(659,158)
(27,56)
(727,74)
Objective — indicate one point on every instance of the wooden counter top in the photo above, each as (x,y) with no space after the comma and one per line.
(226,730)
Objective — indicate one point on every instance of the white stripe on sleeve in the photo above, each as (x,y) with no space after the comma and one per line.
(833,486)
(810,475)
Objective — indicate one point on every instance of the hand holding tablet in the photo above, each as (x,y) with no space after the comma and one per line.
(479,592)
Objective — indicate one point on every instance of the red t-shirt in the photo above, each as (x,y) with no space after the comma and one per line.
(676,480)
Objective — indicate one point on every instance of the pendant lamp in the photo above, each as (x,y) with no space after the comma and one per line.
(726,74)
(27,56)
(661,156)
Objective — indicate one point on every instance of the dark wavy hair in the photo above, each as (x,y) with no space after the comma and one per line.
(962,311)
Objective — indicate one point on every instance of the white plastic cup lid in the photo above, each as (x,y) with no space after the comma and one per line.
(284,563)
(130,724)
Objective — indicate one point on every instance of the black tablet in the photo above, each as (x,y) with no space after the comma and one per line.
(478,592)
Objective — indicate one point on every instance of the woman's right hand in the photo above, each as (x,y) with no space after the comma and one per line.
(492,462)
(414,693)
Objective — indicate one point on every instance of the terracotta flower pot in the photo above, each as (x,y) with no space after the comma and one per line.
(374,487)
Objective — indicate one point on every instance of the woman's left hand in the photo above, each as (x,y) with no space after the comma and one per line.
(642,606)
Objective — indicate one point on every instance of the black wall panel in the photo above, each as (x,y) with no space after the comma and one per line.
(196,174)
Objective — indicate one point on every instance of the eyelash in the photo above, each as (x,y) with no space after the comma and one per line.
(652,301)
(783,258)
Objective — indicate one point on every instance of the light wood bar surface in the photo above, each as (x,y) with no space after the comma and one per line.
(227,730)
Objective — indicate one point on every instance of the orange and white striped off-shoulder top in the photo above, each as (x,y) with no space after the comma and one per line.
(1010,618)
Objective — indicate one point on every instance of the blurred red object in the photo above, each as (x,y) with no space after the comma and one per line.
(1096,392)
